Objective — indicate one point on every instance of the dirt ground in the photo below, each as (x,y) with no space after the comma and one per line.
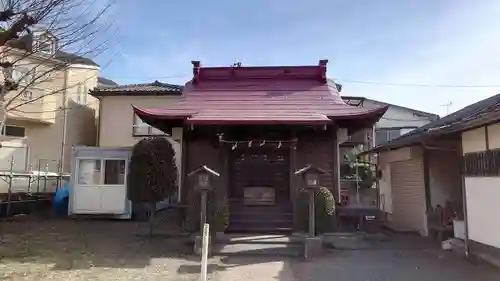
(63,249)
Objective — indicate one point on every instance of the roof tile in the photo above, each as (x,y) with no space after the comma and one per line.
(477,114)
(155,87)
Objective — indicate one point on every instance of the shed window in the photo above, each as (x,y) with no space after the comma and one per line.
(114,172)
(101,171)
(89,171)
(140,128)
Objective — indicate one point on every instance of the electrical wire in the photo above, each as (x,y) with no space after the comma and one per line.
(416,84)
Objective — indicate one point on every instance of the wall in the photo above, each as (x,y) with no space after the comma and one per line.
(474,140)
(46,91)
(117,118)
(444,177)
(385,189)
(483,209)
(482,193)
(398,117)
(44,136)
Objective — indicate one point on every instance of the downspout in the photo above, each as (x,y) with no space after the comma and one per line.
(98,133)
(65,121)
(464,203)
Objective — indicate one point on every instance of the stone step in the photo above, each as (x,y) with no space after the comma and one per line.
(245,228)
(260,220)
(257,239)
(293,250)
(257,245)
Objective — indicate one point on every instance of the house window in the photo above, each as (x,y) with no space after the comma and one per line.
(45,44)
(23,76)
(384,135)
(81,94)
(13,131)
(140,128)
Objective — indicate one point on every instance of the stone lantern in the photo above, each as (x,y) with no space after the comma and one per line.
(204,184)
(310,177)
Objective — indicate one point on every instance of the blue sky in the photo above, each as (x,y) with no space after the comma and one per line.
(446,42)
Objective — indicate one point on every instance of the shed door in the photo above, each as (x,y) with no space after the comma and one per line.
(408,196)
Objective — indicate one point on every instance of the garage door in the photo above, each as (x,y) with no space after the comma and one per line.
(408,196)
(16,152)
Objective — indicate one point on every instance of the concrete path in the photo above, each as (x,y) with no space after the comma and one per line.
(255,268)
(402,258)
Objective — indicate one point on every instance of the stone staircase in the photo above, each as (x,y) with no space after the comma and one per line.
(257,245)
(260,219)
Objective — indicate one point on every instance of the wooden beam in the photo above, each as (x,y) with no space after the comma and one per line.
(486,137)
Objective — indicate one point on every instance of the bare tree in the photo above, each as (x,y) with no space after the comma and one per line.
(54,34)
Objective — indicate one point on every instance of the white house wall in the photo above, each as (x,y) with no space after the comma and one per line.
(398,117)
(482,193)
(483,208)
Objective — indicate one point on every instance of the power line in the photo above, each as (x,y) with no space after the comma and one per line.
(354,81)
(416,85)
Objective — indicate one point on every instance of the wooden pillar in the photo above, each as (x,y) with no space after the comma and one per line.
(293,156)
(336,166)
(203,211)
(294,189)
(184,166)
(312,222)
(184,183)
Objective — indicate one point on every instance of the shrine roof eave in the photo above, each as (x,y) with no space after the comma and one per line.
(153,116)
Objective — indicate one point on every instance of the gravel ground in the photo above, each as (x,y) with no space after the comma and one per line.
(35,249)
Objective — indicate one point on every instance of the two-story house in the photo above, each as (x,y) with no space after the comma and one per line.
(118,126)
(51,111)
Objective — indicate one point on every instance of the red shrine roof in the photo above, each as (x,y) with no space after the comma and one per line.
(260,95)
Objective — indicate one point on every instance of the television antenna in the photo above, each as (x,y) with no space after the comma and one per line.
(448,105)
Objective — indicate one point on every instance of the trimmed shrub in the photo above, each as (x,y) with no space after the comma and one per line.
(152,173)
(324,211)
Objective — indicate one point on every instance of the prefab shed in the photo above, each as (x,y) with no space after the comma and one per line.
(98,182)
